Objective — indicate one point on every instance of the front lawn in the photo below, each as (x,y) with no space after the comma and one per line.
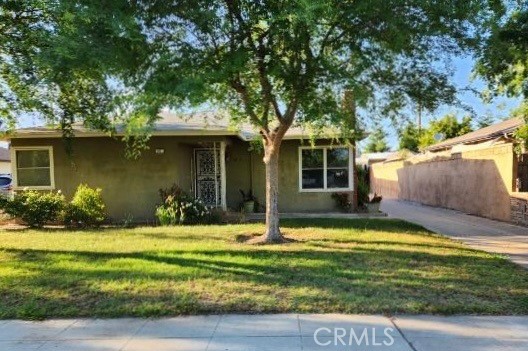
(348,266)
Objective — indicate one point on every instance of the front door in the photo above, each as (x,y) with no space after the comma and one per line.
(208,176)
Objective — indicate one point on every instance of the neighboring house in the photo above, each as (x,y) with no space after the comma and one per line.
(478,173)
(369,158)
(5,161)
(199,153)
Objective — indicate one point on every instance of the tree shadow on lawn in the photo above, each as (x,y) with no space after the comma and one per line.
(362,280)
(383,224)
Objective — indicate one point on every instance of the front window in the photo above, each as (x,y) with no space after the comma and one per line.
(325,168)
(33,167)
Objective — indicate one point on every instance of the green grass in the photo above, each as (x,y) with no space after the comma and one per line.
(348,266)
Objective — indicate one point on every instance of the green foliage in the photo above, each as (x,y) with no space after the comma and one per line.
(521,135)
(342,201)
(363,185)
(409,138)
(445,128)
(179,208)
(484,121)
(503,61)
(87,208)
(128,221)
(268,63)
(35,208)
(377,141)
(166,215)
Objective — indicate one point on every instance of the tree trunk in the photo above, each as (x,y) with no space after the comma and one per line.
(271,161)
(349,106)
(355,204)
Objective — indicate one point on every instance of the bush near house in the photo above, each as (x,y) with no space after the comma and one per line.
(37,208)
(342,199)
(178,207)
(86,209)
(33,207)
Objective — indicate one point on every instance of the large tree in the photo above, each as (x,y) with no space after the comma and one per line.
(444,128)
(272,63)
(377,140)
(503,61)
(409,138)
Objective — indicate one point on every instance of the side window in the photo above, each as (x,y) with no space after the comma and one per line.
(33,168)
(324,168)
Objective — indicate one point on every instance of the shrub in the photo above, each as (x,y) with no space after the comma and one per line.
(35,208)
(86,209)
(166,215)
(175,192)
(342,201)
(128,221)
(180,208)
(363,193)
(363,185)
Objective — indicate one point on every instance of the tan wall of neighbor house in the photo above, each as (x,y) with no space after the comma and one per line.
(130,187)
(478,181)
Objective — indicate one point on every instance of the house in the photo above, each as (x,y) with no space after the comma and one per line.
(478,173)
(369,158)
(200,153)
(5,161)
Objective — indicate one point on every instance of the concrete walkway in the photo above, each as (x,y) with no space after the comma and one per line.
(479,233)
(286,332)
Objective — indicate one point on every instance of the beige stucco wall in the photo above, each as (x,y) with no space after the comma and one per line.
(5,167)
(477,181)
(130,187)
(290,198)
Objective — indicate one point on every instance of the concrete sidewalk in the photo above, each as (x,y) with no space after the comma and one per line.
(287,332)
(479,233)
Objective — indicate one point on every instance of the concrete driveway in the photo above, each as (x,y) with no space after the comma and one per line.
(282,332)
(479,233)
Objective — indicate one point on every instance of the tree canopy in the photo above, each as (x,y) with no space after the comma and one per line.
(409,138)
(101,61)
(377,141)
(271,63)
(444,128)
(503,61)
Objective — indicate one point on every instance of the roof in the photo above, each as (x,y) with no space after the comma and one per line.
(367,157)
(376,155)
(491,132)
(5,155)
(172,124)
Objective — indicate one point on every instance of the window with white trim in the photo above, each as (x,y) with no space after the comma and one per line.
(33,167)
(325,168)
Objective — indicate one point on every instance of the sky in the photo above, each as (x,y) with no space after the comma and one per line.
(499,108)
